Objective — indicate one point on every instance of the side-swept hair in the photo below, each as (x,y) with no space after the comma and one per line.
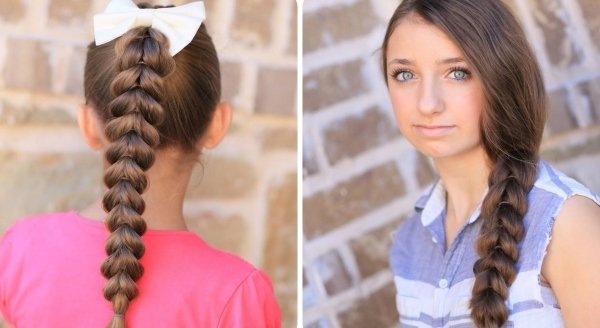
(511,130)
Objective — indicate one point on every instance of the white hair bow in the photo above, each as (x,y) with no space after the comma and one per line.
(178,24)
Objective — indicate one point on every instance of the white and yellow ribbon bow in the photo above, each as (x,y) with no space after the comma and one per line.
(178,24)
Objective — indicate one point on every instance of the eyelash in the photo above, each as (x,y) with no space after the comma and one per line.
(461,69)
(395,73)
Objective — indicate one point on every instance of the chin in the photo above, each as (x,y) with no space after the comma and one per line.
(437,154)
(447,151)
(433,150)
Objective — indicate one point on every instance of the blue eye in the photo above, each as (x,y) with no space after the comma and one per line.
(459,74)
(403,76)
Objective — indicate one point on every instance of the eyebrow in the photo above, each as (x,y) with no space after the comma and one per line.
(401,61)
(454,60)
(404,61)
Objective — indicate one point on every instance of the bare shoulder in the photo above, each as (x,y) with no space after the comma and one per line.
(572,257)
(581,205)
(578,218)
(576,229)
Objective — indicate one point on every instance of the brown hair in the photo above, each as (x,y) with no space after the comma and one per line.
(147,100)
(511,129)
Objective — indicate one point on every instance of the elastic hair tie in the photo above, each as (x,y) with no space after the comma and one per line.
(503,203)
(118,315)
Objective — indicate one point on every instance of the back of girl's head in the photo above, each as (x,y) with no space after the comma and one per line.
(146,99)
(191,91)
(511,130)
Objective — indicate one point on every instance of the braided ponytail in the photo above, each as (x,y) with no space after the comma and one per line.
(145,105)
(143,61)
(502,212)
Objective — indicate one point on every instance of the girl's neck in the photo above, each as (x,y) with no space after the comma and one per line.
(465,179)
(168,180)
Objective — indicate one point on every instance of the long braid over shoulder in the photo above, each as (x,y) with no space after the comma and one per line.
(147,100)
(511,130)
(502,229)
(143,62)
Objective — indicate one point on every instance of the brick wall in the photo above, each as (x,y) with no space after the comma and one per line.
(361,177)
(45,165)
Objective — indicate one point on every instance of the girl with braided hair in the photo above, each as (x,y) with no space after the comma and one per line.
(152,88)
(501,239)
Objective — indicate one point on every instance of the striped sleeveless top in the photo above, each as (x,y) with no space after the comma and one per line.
(434,285)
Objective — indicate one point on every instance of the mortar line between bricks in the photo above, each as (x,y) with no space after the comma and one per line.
(281,18)
(318,149)
(344,300)
(37,140)
(315,5)
(582,75)
(346,169)
(222,206)
(258,222)
(333,320)
(570,138)
(349,261)
(341,52)
(299,165)
(353,106)
(3,56)
(57,36)
(370,221)
(383,10)
(39,23)
(406,165)
(315,281)
(582,31)
(582,114)
(260,57)
(224,11)
(39,96)
(534,35)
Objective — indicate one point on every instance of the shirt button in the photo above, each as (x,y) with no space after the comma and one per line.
(434,240)
(443,283)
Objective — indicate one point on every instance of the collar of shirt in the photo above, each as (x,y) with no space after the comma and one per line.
(432,204)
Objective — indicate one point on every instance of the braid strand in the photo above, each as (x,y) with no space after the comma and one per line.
(138,88)
(502,212)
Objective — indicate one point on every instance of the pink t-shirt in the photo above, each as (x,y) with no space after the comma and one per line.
(50,277)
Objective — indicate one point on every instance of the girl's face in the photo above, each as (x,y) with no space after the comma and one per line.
(436,96)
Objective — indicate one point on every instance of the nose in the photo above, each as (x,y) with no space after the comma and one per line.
(430,97)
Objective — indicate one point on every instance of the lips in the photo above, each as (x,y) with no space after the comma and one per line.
(433,131)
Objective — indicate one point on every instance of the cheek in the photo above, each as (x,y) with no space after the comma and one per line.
(470,104)
(403,105)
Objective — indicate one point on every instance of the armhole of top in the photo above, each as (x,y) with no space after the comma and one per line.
(545,288)
(550,225)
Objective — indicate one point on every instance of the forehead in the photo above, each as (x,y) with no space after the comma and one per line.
(420,41)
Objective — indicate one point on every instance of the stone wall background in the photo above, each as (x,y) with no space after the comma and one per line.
(243,199)
(361,177)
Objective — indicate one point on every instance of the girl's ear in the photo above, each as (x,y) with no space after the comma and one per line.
(90,127)
(218,127)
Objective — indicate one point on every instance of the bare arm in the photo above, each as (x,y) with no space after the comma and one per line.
(4,324)
(572,264)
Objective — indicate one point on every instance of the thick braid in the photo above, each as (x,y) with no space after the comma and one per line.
(502,212)
(142,62)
